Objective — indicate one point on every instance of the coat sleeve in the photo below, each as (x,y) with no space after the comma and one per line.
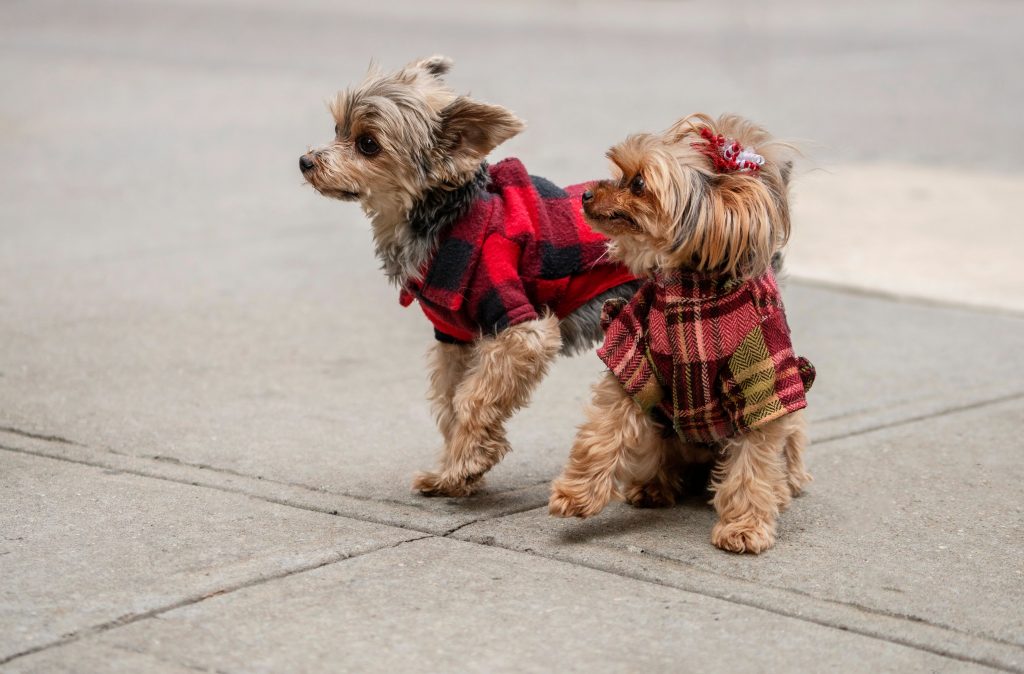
(624,350)
(499,297)
(762,381)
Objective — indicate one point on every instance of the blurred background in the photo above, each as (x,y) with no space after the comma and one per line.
(175,303)
(168,284)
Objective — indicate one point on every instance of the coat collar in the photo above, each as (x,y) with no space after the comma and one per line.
(695,286)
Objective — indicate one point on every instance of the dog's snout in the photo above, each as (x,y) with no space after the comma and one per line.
(306,163)
(588,196)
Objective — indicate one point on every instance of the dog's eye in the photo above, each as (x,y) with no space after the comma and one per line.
(367,145)
(638,185)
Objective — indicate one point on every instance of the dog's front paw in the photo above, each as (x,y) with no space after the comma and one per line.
(564,502)
(434,484)
(753,536)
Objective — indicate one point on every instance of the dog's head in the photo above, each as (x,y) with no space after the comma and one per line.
(399,135)
(706,195)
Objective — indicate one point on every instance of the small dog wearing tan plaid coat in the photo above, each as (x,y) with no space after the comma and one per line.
(701,367)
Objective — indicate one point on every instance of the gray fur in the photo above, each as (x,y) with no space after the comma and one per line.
(582,328)
(439,208)
(429,217)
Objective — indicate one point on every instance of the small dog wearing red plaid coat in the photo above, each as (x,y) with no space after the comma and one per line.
(502,263)
(701,367)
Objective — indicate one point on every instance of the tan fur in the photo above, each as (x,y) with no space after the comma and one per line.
(428,149)
(684,214)
(752,485)
(797,476)
(448,365)
(502,373)
(689,215)
(428,136)
(619,453)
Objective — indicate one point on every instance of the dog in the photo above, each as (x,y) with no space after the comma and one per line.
(701,367)
(502,263)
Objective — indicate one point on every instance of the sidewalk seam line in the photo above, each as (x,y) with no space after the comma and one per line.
(448,533)
(159,458)
(878,636)
(846,604)
(131,618)
(202,485)
(39,436)
(967,407)
(331,512)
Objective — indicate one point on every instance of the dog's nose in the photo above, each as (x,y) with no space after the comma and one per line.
(305,163)
(588,195)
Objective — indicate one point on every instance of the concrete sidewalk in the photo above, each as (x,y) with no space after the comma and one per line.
(211,404)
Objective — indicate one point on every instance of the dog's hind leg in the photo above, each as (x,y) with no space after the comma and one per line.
(796,474)
(448,366)
(502,373)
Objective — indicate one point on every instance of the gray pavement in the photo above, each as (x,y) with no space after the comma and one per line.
(211,404)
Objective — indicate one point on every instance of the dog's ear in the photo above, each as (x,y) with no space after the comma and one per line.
(737,229)
(436,65)
(470,130)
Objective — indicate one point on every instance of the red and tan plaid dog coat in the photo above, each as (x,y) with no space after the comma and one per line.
(712,356)
(522,248)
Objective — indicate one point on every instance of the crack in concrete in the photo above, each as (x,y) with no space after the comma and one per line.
(851,604)
(130,618)
(724,595)
(956,409)
(325,510)
(39,436)
(293,485)
(509,513)
(160,458)
(638,576)
(766,605)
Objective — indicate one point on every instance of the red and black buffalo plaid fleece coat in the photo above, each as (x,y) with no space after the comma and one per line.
(711,357)
(522,249)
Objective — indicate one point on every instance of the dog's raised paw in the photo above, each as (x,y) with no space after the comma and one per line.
(432,484)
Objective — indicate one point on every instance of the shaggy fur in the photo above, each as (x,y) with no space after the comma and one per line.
(498,375)
(412,153)
(668,208)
